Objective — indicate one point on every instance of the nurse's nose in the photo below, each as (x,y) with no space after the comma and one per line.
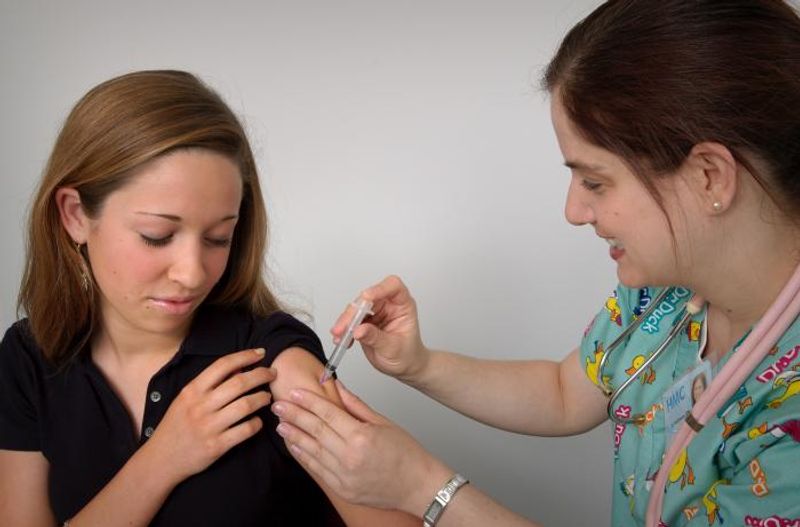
(188,268)
(576,209)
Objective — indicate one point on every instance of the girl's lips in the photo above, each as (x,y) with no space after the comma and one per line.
(174,306)
(616,252)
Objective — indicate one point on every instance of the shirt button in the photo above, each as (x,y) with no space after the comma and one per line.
(148,431)
(155,396)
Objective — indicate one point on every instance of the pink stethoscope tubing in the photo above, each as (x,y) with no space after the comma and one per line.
(752,351)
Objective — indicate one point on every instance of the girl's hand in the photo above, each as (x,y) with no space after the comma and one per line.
(206,419)
(390,337)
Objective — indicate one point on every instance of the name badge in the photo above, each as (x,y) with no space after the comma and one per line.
(681,396)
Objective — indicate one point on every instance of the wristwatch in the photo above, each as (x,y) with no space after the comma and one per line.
(441,499)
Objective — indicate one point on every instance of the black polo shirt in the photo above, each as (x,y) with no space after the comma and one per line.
(76,420)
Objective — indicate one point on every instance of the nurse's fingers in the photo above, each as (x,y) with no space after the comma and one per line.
(389,290)
(313,454)
(315,421)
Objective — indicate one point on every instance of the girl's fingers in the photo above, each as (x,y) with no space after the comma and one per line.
(240,408)
(224,367)
(239,433)
(238,384)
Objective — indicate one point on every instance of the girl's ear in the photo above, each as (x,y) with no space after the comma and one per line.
(72,215)
(713,173)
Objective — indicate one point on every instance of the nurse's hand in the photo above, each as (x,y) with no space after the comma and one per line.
(390,337)
(361,455)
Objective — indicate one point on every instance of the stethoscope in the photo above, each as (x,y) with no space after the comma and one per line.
(691,308)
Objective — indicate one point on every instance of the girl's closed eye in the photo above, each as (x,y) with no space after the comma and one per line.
(218,242)
(155,241)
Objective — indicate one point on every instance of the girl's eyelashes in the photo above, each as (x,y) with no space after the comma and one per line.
(161,242)
(156,242)
(218,242)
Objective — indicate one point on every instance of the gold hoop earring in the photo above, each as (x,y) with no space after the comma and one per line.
(86,281)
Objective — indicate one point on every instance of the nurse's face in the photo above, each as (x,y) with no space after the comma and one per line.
(604,193)
(161,242)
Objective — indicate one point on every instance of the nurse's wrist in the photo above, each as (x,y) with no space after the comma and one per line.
(432,475)
(423,372)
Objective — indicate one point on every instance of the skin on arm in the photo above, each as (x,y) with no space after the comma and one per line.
(299,369)
(536,397)
(368,459)
(23,490)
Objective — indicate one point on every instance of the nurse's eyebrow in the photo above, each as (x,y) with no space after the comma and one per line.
(579,165)
(178,219)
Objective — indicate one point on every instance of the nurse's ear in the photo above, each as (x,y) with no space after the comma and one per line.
(712,172)
(72,215)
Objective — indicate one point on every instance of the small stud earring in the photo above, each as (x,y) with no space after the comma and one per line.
(717,206)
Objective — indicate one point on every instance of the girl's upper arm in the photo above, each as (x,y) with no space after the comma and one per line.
(23,490)
(298,368)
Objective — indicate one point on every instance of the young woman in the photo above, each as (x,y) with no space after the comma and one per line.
(135,391)
(680,124)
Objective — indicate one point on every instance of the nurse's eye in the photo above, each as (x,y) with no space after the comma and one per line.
(591,186)
(156,242)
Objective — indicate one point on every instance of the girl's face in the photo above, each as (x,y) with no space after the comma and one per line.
(161,242)
(605,194)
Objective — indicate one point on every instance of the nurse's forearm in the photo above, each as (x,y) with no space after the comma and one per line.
(530,397)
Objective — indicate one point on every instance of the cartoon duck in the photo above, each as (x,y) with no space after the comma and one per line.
(693,331)
(682,470)
(614,312)
(712,509)
(790,382)
(592,366)
(648,377)
(757,431)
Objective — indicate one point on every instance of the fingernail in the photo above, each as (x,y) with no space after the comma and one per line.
(296,395)
(282,429)
(260,352)
(278,409)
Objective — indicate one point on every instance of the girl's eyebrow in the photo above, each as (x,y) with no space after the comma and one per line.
(178,219)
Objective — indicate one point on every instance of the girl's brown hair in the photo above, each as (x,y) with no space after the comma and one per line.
(649,79)
(116,127)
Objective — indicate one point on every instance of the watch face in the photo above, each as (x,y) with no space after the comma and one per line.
(433,511)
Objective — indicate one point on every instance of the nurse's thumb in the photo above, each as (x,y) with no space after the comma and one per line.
(367,335)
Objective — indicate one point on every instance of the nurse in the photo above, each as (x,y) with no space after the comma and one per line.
(680,125)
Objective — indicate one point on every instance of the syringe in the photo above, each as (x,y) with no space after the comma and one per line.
(363,308)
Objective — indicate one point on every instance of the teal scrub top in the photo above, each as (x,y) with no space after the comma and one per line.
(743,467)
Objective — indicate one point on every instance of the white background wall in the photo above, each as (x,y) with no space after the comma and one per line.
(393,137)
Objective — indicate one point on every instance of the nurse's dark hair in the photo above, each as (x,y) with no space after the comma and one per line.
(649,79)
(116,128)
